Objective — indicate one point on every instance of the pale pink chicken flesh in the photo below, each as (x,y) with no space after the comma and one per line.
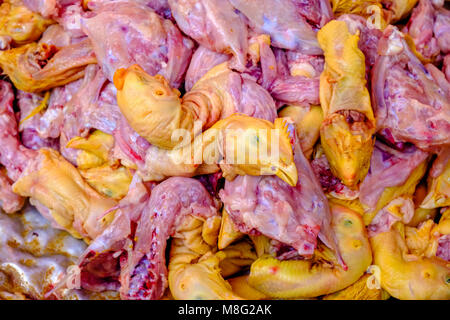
(266,205)
(213,24)
(128,33)
(409,104)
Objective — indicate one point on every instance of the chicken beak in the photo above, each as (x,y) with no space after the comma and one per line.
(288,174)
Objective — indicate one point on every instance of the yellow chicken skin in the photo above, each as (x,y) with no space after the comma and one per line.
(237,144)
(52,182)
(424,239)
(371,9)
(407,259)
(107,177)
(349,124)
(405,190)
(111,181)
(20,24)
(95,149)
(309,278)
(307,121)
(238,257)
(243,289)
(151,106)
(156,111)
(439,190)
(400,8)
(194,271)
(37,67)
(360,290)
(421,214)
(228,232)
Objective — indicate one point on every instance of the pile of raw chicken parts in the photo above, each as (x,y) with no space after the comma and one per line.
(98,201)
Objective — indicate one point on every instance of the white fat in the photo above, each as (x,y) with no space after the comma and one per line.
(395,45)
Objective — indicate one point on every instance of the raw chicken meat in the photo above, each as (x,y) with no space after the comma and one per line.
(295,216)
(283,21)
(408,102)
(169,203)
(125,33)
(215,25)
(388,168)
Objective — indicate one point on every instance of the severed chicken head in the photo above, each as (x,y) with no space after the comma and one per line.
(349,124)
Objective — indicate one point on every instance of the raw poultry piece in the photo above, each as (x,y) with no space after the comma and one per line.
(293,215)
(161,7)
(349,124)
(372,10)
(420,29)
(129,147)
(157,112)
(55,185)
(62,196)
(399,209)
(171,202)
(414,262)
(260,62)
(368,38)
(47,8)
(37,67)
(228,232)
(9,201)
(97,166)
(13,155)
(42,115)
(296,78)
(331,185)
(441,29)
(129,256)
(428,28)
(411,101)
(92,106)
(237,258)
(215,25)
(360,290)
(243,289)
(322,274)
(102,266)
(195,268)
(32,108)
(400,9)
(392,174)
(307,121)
(19,24)
(438,182)
(202,61)
(421,214)
(292,31)
(238,145)
(128,33)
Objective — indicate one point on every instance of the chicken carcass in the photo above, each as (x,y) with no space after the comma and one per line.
(128,33)
(9,201)
(349,124)
(284,22)
(156,111)
(170,202)
(36,67)
(409,104)
(294,215)
(215,25)
(392,174)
